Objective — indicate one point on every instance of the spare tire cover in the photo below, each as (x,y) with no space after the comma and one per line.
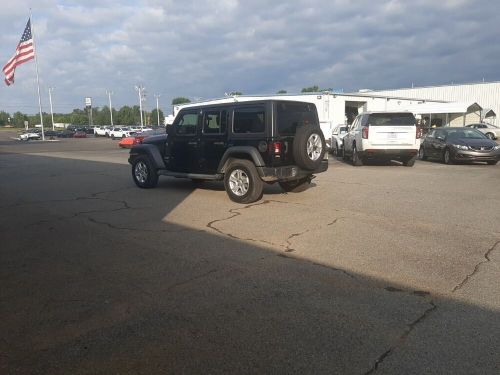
(309,147)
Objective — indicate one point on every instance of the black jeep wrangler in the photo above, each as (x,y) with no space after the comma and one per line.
(243,143)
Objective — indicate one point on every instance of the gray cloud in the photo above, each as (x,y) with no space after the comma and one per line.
(206,48)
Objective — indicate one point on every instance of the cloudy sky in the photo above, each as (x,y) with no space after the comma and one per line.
(203,48)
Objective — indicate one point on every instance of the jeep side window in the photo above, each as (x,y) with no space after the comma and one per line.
(215,122)
(186,123)
(249,120)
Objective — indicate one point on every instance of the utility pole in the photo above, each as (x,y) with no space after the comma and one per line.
(51,110)
(157,96)
(110,107)
(140,91)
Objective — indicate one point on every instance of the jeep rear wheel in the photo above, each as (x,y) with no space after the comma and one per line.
(296,186)
(309,147)
(143,173)
(242,182)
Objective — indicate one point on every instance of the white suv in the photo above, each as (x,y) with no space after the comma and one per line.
(119,132)
(383,135)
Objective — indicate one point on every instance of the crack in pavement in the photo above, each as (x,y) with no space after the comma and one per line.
(402,338)
(234,213)
(476,268)
(91,196)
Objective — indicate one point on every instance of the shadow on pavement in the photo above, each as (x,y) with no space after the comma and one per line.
(95,281)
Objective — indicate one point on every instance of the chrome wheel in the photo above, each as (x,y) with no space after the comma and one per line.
(314,146)
(239,182)
(141,172)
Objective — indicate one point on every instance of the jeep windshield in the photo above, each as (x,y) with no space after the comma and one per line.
(390,119)
(290,115)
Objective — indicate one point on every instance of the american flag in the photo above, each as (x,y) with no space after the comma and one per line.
(24,52)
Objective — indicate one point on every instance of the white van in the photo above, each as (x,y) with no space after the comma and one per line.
(383,135)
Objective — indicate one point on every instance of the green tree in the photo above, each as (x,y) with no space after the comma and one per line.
(79,117)
(235,93)
(281,92)
(180,100)
(18,119)
(154,117)
(311,89)
(4,118)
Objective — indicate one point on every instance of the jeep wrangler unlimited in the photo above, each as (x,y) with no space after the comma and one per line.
(242,143)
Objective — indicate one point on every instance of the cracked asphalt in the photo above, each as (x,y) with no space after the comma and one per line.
(374,270)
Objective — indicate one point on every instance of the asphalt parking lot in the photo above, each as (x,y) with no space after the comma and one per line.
(379,269)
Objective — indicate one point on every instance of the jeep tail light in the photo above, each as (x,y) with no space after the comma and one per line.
(277,147)
(419,132)
(364,132)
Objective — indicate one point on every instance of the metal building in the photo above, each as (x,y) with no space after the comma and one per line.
(487,94)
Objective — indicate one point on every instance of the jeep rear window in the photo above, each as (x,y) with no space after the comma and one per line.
(249,120)
(388,119)
(289,115)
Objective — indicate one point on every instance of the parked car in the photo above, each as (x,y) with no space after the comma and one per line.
(244,144)
(80,134)
(100,131)
(491,131)
(137,138)
(338,135)
(65,133)
(29,135)
(120,132)
(383,135)
(459,144)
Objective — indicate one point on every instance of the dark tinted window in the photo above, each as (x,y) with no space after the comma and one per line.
(289,115)
(464,133)
(389,119)
(186,123)
(249,120)
(215,122)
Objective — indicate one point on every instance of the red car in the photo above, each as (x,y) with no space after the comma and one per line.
(80,134)
(128,142)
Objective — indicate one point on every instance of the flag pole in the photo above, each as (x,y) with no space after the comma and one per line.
(37,77)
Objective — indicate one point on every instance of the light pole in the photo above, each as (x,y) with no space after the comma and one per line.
(109,92)
(157,96)
(140,90)
(51,110)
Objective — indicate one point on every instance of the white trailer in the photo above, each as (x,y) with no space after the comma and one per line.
(333,108)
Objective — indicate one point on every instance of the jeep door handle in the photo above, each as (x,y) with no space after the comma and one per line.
(219,143)
(192,143)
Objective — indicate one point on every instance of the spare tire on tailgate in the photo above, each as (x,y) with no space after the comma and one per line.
(309,147)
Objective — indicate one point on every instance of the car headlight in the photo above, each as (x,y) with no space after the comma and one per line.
(497,147)
(461,147)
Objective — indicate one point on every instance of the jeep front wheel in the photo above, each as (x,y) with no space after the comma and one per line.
(242,182)
(143,173)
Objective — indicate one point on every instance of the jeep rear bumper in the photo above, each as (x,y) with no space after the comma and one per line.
(289,172)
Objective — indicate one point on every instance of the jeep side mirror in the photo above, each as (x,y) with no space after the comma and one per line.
(169,129)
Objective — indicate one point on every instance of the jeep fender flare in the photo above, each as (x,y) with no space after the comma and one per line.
(241,152)
(151,151)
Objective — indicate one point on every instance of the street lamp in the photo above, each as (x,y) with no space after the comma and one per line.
(157,96)
(140,91)
(109,92)
(51,110)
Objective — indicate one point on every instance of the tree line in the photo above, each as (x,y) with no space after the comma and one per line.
(126,115)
